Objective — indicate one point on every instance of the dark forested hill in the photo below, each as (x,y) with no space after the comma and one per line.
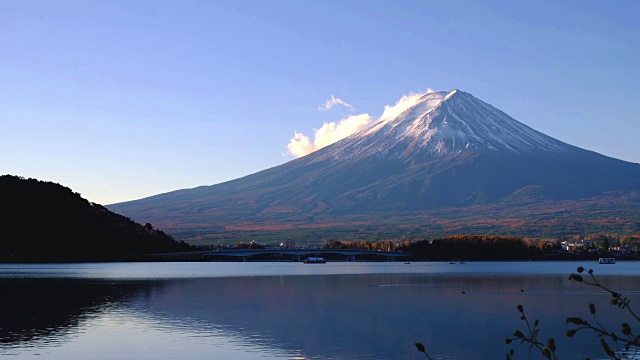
(45,222)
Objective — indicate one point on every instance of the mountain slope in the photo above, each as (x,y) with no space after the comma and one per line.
(437,150)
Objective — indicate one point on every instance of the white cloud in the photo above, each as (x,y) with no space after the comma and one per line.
(405,102)
(329,133)
(300,145)
(333,101)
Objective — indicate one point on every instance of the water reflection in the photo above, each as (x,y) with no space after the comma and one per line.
(376,316)
(33,309)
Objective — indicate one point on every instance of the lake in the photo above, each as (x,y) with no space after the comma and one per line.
(290,310)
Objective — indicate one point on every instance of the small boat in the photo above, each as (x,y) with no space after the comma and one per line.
(314,260)
(606,261)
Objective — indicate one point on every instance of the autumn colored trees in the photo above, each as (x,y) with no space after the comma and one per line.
(473,247)
(361,245)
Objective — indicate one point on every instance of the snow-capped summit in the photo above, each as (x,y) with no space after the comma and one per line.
(443,123)
(430,152)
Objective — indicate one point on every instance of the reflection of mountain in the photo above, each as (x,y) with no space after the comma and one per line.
(41,309)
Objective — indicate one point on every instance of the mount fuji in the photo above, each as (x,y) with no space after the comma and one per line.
(445,158)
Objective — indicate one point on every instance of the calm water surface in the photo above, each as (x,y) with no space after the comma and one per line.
(282,310)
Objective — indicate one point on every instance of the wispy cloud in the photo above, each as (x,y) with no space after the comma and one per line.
(405,102)
(329,133)
(333,101)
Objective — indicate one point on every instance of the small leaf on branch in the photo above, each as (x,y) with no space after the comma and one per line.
(551,344)
(626,329)
(574,320)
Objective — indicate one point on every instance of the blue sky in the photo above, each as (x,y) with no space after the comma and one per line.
(120,100)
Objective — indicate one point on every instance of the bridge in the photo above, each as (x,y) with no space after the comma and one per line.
(283,254)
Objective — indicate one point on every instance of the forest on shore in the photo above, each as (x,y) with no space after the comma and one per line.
(488,247)
(47,222)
